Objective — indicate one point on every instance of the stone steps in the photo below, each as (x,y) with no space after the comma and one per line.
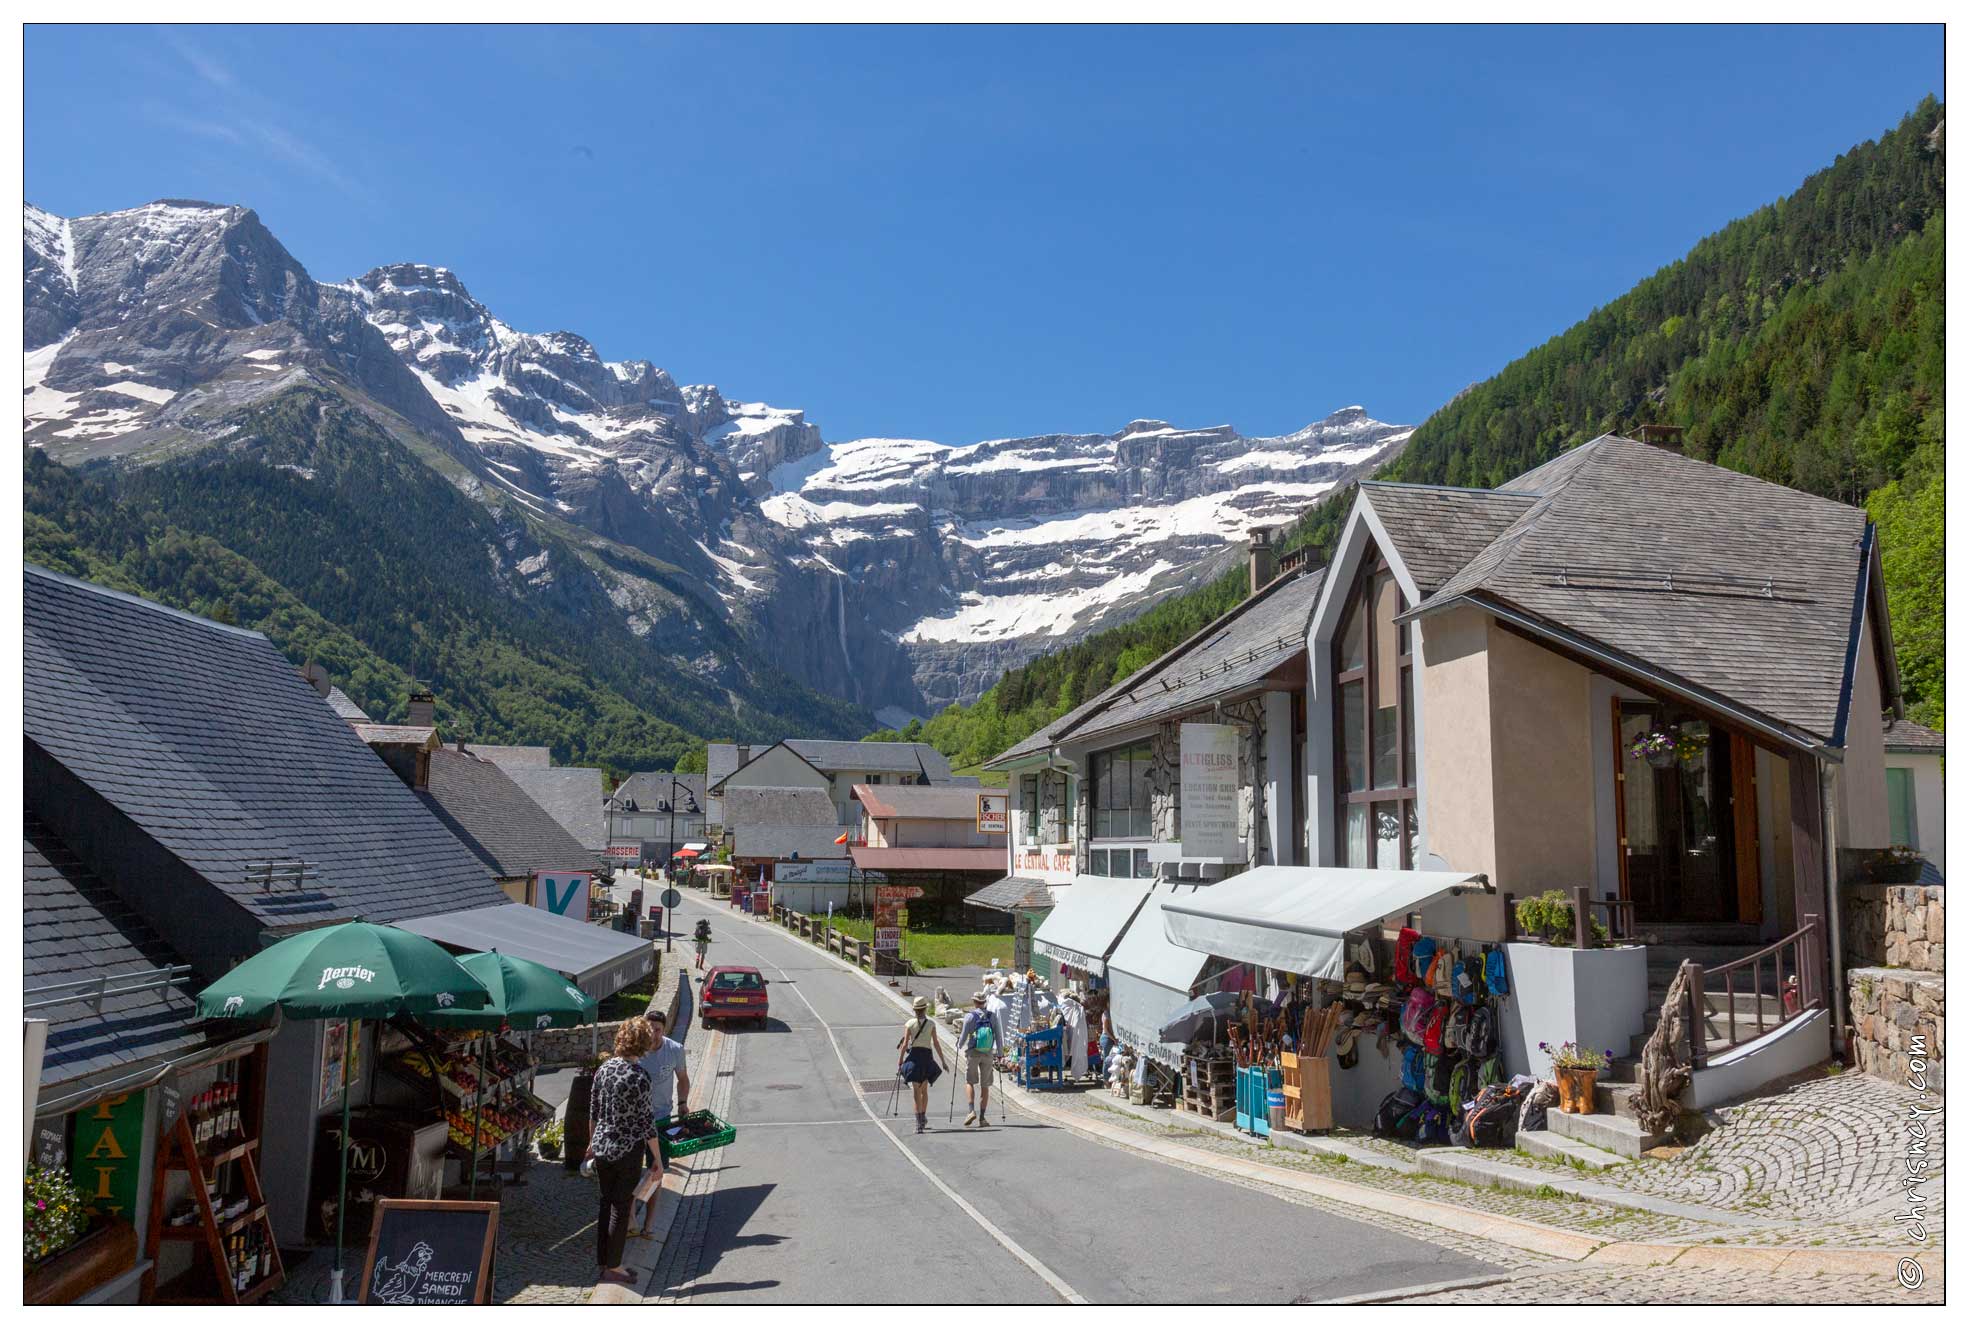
(1551,1144)
(1603,1130)
(1610,1096)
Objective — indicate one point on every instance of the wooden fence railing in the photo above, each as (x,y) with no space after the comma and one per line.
(826,936)
(1794,994)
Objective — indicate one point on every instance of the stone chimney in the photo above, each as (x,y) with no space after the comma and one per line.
(744,753)
(423,707)
(1263,557)
(317,677)
(1667,437)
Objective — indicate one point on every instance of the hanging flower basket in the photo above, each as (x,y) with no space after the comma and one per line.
(1656,747)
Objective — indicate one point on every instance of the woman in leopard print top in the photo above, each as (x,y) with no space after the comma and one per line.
(622,1119)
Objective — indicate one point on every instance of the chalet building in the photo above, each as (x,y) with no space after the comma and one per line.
(927,836)
(653,813)
(819,763)
(1626,672)
(1914,791)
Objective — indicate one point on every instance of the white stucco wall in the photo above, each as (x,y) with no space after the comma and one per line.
(1862,782)
(1928,803)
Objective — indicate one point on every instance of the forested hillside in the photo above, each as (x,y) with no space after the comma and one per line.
(1802,344)
(314,526)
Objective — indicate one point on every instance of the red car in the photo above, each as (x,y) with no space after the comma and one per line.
(732,992)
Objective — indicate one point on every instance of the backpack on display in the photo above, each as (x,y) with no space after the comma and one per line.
(1462,1084)
(1431,1125)
(1533,1115)
(1395,1112)
(1421,956)
(1441,1071)
(1456,1030)
(1496,979)
(1490,1070)
(1478,1037)
(1415,1014)
(1412,1073)
(1468,982)
(1492,1122)
(1432,1029)
(1404,955)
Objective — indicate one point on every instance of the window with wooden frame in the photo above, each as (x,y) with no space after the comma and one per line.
(1374,725)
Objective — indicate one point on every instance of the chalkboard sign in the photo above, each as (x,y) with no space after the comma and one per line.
(430,1253)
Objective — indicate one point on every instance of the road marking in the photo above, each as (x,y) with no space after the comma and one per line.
(844,1121)
(997,1234)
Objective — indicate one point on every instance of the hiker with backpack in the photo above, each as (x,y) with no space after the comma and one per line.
(922,1060)
(702,936)
(980,1037)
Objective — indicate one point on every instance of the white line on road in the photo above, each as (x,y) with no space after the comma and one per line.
(998,1234)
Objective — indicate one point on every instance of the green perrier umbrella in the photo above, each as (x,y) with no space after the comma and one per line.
(354,970)
(525,995)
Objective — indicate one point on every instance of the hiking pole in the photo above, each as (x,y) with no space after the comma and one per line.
(951,1115)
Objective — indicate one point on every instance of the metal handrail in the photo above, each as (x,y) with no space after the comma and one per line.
(94,991)
(1797,997)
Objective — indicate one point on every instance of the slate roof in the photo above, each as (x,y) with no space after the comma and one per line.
(74,927)
(887,758)
(206,738)
(1907,736)
(512,835)
(836,755)
(1731,585)
(572,796)
(1436,531)
(512,757)
(649,791)
(1009,893)
(766,840)
(939,802)
(780,805)
(1232,654)
(341,703)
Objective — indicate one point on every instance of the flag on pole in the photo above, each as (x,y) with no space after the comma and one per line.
(842,838)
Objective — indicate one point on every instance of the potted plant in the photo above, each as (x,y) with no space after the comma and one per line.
(1577,1069)
(1549,918)
(1656,747)
(548,1141)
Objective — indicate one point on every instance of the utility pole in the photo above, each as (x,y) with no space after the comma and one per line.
(670,858)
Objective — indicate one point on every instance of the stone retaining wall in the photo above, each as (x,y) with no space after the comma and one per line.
(570,1047)
(1899,926)
(1896,1018)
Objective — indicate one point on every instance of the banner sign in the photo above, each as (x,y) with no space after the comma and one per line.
(563,893)
(994,812)
(888,939)
(896,894)
(1210,792)
(810,872)
(1043,860)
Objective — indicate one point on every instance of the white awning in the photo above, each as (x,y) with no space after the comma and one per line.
(1089,918)
(1150,976)
(1294,919)
(600,960)
(698,845)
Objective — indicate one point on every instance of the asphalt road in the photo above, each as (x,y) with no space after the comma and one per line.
(826,1198)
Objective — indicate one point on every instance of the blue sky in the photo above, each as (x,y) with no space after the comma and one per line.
(968,233)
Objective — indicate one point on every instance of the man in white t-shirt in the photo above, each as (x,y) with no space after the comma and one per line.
(669,1081)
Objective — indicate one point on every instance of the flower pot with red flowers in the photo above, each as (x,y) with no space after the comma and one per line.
(1577,1070)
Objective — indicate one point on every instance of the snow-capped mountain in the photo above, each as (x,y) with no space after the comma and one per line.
(902,574)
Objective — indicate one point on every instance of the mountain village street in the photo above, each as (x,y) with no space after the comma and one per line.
(1061,1197)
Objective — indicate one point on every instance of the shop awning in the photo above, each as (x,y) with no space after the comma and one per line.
(1088,920)
(600,960)
(962,859)
(1009,893)
(687,852)
(697,846)
(1294,919)
(1150,976)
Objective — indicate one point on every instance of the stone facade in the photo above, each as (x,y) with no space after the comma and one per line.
(1896,1016)
(1897,926)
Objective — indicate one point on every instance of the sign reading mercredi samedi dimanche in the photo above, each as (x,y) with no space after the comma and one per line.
(1210,792)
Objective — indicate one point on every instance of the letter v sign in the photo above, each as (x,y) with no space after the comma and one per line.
(558,903)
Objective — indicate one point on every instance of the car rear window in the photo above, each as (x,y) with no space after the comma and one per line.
(737,983)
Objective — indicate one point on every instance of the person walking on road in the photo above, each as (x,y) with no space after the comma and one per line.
(619,1108)
(922,1060)
(702,936)
(980,1038)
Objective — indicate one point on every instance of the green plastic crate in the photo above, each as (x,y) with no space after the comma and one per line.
(724,1135)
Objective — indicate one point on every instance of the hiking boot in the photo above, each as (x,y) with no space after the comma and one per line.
(970,1117)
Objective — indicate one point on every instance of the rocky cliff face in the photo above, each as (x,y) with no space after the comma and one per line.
(901,574)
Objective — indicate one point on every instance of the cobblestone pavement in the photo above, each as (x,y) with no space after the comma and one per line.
(1600,1219)
(1601,1284)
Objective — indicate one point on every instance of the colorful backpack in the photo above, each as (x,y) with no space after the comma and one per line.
(1404,952)
(1396,1114)
(1432,1030)
(1456,1029)
(1468,983)
(1462,1085)
(1479,1034)
(1415,1014)
(1441,1072)
(1412,1077)
(1421,956)
(1490,1071)
(1496,979)
(1492,1121)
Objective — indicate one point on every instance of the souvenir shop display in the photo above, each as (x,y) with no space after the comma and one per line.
(481,1083)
